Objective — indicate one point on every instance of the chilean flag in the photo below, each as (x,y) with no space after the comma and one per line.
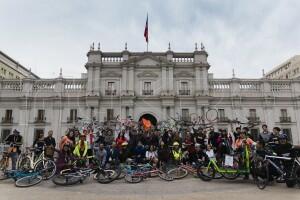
(146,30)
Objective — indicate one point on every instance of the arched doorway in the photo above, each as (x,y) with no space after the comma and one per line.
(149,117)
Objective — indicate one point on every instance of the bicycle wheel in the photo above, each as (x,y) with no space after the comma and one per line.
(211,115)
(165,176)
(3,175)
(28,181)
(232,171)
(261,173)
(206,173)
(178,173)
(130,178)
(106,176)
(64,180)
(47,168)
(24,164)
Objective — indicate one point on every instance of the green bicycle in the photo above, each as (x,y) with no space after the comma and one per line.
(230,168)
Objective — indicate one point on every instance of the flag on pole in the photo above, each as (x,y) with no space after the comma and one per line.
(146,30)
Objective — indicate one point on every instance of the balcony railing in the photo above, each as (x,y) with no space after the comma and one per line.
(184,92)
(253,119)
(110,92)
(285,119)
(222,119)
(40,120)
(7,120)
(71,120)
(147,92)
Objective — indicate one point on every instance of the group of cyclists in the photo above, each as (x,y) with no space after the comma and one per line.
(158,147)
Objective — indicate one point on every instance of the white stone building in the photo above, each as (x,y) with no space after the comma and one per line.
(289,69)
(153,84)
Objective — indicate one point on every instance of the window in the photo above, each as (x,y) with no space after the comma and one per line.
(168,111)
(288,132)
(8,115)
(110,114)
(254,134)
(252,113)
(284,116)
(185,114)
(73,115)
(110,88)
(111,85)
(184,85)
(37,132)
(4,134)
(184,88)
(127,111)
(147,86)
(41,115)
(147,90)
(221,114)
(283,112)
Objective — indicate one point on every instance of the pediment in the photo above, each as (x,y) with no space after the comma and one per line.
(184,74)
(111,74)
(147,74)
(147,60)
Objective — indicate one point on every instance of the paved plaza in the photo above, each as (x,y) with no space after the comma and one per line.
(188,188)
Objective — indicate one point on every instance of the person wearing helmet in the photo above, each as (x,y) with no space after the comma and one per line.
(124,153)
(176,152)
(283,145)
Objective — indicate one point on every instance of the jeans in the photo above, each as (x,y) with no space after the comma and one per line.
(14,158)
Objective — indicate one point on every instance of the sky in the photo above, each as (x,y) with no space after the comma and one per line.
(245,35)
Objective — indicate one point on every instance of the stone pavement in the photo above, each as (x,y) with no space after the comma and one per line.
(188,188)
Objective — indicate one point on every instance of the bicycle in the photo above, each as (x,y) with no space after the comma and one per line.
(23,178)
(29,161)
(288,174)
(74,174)
(137,173)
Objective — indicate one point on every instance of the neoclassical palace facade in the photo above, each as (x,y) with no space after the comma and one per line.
(158,85)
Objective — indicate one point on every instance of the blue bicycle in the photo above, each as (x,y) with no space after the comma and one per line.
(22,178)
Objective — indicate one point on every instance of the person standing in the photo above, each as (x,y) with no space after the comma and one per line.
(50,144)
(15,140)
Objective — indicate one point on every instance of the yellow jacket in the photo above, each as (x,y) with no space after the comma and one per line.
(76,151)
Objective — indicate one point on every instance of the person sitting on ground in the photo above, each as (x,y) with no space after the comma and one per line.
(163,154)
(177,153)
(65,158)
(124,153)
(139,153)
(199,155)
(121,139)
(151,155)
(81,147)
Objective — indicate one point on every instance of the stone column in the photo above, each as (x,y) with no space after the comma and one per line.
(163,113)
(171,75)
(198,79)
(163,78)
(204,80)
(124,78)
(97,80)
(131,79)
(90,80)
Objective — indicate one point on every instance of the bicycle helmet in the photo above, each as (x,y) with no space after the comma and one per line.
(175,144)
(283,137)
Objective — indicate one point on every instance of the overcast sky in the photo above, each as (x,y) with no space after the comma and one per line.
(248,35)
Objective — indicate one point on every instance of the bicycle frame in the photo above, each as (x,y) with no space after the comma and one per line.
(268,158)
(246,170)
